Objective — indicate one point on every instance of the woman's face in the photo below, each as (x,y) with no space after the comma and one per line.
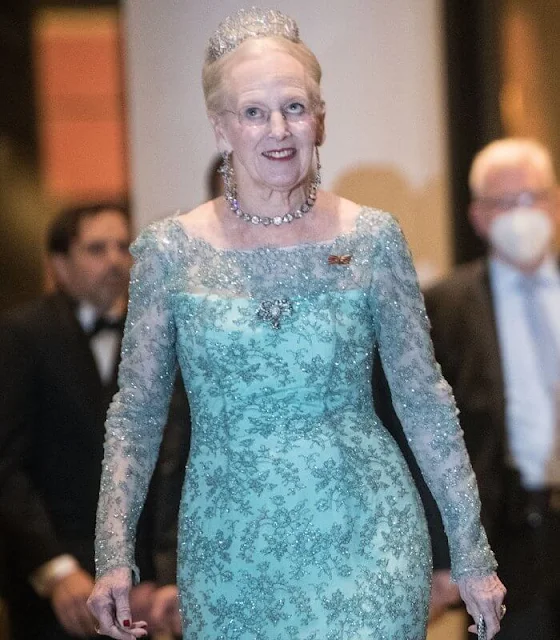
(268,120)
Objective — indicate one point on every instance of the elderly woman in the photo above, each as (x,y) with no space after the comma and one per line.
(299,519)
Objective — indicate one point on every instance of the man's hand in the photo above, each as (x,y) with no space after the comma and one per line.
(165,610)
(68,599)
(141,600)
(445,594)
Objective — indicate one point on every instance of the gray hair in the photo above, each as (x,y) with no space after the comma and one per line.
(510,153)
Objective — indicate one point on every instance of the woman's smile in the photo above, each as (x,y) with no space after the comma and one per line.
(280,154)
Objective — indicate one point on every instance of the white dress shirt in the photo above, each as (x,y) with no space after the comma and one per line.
(531,410)
(104,345)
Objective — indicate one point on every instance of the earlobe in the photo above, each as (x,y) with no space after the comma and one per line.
(59,269)
(320,124)
(556,205)
(221,139)
(478,220)
(223,146)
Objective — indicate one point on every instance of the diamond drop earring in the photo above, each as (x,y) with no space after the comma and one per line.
(317,180)
(226,171)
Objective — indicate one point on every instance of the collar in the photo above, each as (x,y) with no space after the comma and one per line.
(508,275)
(87,315)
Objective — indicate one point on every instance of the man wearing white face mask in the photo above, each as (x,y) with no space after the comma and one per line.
(496,333)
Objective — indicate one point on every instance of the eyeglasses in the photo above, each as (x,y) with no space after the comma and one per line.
(259,116)
(510,201)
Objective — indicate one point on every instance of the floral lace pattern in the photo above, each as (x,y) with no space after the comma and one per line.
(299,519)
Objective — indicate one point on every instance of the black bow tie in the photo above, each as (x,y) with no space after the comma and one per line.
(106,323)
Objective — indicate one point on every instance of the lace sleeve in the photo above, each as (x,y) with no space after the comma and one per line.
(138,411)
(424,402)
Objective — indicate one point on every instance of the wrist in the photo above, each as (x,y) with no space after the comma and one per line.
(47,576)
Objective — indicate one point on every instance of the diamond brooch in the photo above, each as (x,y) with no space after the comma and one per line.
(273,310)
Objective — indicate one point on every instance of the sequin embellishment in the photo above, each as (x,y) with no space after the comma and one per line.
(273,310)
(299,519)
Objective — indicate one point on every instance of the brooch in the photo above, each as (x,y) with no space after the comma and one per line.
(273,310)
(332,259)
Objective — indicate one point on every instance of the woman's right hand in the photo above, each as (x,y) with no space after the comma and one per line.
(109,603)
(484,596)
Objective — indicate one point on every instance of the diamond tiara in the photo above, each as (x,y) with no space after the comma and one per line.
(250,23)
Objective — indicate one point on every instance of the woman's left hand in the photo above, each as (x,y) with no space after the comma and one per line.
(484,596)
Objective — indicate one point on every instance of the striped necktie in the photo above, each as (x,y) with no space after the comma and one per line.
(542,335)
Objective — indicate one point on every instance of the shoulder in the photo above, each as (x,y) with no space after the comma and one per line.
(383,234)
(365,219)
(379,221)
(462,279)
(350,214)
(156,237)
(33,318)
(450,295)
(45,305)
(201,221)
(165,240)
(354,216)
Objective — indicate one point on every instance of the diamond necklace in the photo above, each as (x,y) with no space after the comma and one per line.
(230,194)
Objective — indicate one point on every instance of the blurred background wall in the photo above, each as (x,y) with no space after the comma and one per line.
(384,87)
(102,99)
(62,125)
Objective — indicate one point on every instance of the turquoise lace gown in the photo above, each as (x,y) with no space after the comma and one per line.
(299,519)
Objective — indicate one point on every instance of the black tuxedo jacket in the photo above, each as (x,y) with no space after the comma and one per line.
(52,412)
(464,334)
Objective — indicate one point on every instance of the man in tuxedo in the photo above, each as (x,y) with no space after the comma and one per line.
(58,360)
(496,332)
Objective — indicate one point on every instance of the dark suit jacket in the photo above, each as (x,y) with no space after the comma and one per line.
(52,412)
(466,344)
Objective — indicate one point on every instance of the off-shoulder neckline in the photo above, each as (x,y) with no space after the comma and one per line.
(268,248)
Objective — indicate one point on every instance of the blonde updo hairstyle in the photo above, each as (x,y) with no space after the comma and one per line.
(214,73)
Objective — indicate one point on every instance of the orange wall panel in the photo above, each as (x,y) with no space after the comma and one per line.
(84,158)
(79,63)
(81,124)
